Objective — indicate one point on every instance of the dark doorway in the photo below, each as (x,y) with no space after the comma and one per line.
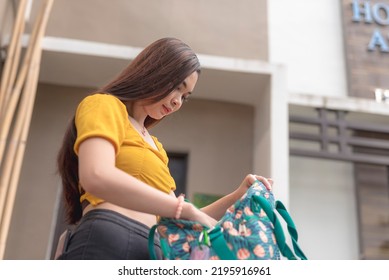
(178,165)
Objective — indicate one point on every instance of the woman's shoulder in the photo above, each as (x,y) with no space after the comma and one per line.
(97,100)
(105,98)
(101,103)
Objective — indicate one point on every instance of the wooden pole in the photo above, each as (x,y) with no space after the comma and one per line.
(13,73)
(18,160)
(9,111)
(10,116)
(23,124)
(9,101)
(13,54)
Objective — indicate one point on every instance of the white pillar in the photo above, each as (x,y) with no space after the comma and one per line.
(271,134)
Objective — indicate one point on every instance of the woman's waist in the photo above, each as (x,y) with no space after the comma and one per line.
(144,218)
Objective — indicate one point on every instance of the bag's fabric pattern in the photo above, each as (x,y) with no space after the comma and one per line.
(246,229)
(180,237)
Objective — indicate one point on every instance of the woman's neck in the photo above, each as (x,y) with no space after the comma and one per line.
(137,113)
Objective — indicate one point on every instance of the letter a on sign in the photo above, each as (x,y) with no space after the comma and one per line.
(378,41)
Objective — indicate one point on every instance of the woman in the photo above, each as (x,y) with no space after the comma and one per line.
(114,173)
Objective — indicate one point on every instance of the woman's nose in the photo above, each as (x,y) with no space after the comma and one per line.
(176,103)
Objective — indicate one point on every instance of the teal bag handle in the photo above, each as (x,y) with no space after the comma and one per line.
(151,242)
(219,244)
(164,247)
(281,209)
(278,231)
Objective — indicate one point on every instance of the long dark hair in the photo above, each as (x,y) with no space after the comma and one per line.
(152,75)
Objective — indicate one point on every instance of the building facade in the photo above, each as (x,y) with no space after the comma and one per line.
(294,91)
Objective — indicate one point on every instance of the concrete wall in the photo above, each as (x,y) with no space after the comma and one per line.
(7,16)
(323,206)
(306,37)
(219,27)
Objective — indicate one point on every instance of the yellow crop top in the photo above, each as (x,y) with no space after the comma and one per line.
(104,115)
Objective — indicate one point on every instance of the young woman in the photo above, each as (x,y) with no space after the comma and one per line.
(115,175)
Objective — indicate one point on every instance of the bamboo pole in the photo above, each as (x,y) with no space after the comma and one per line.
(9,112)
(10,115)
(13,72)
(11,154)
(13,54)
(18,160)
(23,124)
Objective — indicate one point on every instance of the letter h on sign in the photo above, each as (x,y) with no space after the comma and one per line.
(378,12)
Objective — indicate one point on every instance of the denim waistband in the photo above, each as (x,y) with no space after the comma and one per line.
(119,219)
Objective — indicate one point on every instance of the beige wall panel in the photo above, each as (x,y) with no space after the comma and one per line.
(218,27)
(7,17)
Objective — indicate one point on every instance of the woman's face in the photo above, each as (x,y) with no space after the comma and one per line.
(174,100)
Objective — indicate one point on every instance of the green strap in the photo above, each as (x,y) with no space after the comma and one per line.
(278,231)
(164,246)
(219,244)
(291,229)
(151,242)
(217,240)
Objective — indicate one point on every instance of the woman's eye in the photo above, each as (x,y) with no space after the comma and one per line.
(184,98)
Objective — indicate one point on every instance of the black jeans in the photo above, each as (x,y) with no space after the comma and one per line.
(107,235)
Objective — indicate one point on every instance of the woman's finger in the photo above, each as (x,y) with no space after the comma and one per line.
(266,181)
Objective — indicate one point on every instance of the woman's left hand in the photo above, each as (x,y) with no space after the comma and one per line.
(249,180)
(218,208)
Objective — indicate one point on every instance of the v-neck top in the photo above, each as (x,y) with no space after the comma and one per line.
(104,115)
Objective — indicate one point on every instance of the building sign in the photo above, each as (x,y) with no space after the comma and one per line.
(373,13)
(366,37)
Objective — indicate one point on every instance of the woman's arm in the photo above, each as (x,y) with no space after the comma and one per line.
(218,208)
(99,176)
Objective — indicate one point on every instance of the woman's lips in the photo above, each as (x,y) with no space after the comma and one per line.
(166,109)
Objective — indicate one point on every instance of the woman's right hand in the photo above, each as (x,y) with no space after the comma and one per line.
(190,212)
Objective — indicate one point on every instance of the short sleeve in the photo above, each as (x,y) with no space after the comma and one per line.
(101,115)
